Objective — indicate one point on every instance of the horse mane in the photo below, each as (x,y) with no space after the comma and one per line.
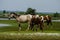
(14,14)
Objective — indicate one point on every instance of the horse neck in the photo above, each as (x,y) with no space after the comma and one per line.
(15,16)
(46,18)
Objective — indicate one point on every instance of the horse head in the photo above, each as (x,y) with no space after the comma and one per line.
(47,17)
(12,15)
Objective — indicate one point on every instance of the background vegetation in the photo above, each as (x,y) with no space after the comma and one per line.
(55,15)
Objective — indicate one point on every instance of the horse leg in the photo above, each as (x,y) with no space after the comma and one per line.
(37,27)
(19,27)
(41,27)
(47,22)
(50,22)
(32,27)
(28,26)
(9,18)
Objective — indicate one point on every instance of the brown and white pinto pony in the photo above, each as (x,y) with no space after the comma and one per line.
(46,18)
(36,21)
(22,18)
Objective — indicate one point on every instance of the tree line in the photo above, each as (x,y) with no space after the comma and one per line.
(33,12)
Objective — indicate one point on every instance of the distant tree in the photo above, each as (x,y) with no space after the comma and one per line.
(30,11)
(4,11)
(56,14)
(33,12)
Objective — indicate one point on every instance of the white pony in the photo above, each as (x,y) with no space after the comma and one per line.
(22,18)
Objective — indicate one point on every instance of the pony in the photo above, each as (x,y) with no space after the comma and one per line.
(36,21)
(46,19)
(22,18)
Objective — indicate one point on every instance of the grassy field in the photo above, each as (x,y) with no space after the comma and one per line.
(55,28)
(14,26)
(28,36)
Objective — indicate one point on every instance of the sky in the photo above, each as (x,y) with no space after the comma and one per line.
(22,5)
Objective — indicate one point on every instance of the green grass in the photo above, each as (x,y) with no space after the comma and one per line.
(5,31)
(26,37)
(14,27)
(23,36)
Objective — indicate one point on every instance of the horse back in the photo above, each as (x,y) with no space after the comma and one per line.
(23,18)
